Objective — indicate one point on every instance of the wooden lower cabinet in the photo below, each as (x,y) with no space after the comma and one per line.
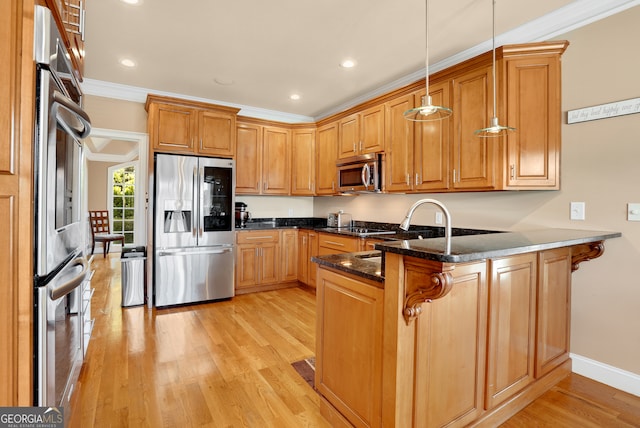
(349,346)
(266,260)
(554,309)
(335,244)
(512,316)
(443,344)
(303,256)
(288,255)
(313,251)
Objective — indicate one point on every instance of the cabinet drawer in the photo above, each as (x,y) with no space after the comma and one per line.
(257,236)
(341,244)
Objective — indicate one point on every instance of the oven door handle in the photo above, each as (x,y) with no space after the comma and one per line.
(83,118)
(70,285)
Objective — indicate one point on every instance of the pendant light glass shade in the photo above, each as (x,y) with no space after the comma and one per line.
(427,111)
(494,129)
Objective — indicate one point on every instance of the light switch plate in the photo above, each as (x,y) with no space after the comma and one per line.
(577,210)
(633,212)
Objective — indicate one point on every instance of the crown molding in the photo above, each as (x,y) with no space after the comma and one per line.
(568,18)
(100,88)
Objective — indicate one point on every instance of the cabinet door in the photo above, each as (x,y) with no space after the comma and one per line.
(172,128)
(512,314)
(246,266)
(269,262)
(432,142)
(289,255)
(554,309)
(276,153)
(217,132)
(303,256)
(313,251)
(372,130)
(451,348)
(473,157)
(398,162)
(303,159)
(533,106)
(327,153)
(248,159)
(349,346)
(349,136)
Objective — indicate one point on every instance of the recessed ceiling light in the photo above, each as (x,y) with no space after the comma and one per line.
(129,63)
(131,1)
(294,97)
(348,63)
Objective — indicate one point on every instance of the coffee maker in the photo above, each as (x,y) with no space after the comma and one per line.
(242,215)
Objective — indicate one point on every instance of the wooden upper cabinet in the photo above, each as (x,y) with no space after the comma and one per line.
(432,144)
(263,160)
(326,151)
(361,132)
(190,127)
(532,158)
(248,158)
(276,161)
(217,133)
(172,128)
(398,160)
(303,162)
(474,158)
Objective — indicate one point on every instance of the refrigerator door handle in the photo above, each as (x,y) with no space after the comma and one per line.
(195,209)
(181,252)
(201,201)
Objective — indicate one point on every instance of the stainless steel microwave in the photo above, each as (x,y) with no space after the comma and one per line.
(360,173)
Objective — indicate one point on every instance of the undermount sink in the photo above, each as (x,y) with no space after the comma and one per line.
(374,257)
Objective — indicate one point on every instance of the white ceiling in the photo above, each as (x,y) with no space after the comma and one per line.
(271,49)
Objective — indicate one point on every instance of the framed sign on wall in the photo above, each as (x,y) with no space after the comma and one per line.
(604,111)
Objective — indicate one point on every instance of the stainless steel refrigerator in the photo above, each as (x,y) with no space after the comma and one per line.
(193,229)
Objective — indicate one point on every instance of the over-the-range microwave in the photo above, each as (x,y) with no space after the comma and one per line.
(361,173)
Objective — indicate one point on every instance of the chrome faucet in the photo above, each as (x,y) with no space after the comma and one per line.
(447,220)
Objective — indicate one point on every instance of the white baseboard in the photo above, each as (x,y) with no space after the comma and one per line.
(609,375)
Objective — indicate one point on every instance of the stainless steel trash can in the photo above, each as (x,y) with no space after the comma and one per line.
(133,275)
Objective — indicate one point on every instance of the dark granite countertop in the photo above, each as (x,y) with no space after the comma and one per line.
(478,247)
(366,264)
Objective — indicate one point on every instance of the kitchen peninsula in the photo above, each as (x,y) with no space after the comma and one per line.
(465,338)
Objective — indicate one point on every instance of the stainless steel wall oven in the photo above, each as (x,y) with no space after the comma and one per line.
(59,265)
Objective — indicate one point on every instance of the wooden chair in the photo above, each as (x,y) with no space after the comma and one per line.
(100,231)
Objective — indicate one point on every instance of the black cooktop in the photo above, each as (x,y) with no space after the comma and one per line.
(362,232)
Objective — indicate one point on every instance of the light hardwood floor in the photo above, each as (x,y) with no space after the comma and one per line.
(228,364)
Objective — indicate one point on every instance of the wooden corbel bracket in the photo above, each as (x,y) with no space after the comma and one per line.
(441,283)
(585,252)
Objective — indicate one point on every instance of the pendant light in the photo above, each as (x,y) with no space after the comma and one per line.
(494,129)
(427,111)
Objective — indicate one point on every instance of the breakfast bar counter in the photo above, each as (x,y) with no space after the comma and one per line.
(467,338)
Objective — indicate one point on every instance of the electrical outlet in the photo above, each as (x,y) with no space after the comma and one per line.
(577,210)
(438,217)
(290,212)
